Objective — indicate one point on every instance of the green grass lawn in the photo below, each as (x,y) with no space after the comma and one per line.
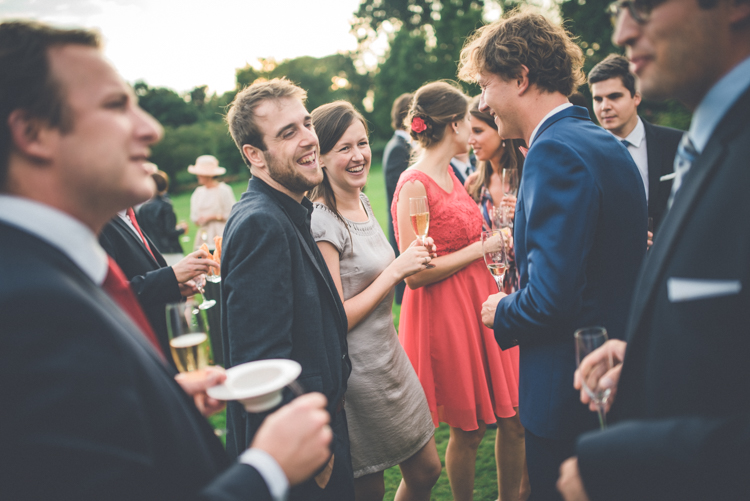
(485,485)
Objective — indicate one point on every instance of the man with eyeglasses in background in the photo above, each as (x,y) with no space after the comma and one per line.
(683,391)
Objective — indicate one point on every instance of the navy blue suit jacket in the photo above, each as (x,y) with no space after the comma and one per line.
(580,237)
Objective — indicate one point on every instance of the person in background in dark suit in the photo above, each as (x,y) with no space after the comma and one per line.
(159,222)
(396,158)
(278,297)
(154,283)
(682,400)
(92,411)
(579,228)
(652,147)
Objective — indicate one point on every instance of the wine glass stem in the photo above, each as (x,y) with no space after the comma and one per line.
(602,417)
(499,281)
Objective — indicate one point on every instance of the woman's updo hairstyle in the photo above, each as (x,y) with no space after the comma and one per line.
(435,105)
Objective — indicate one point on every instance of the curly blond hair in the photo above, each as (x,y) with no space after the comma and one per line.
(524,38)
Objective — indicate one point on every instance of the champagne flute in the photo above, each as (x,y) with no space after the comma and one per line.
(496,258)
(419,213)
(200,281)
(587,340)
(187,327)
(510,182)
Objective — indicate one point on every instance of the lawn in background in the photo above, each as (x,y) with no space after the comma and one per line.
(485,484)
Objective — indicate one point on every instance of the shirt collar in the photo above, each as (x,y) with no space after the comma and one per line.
(555,111)
(717,102)
(636,135)
(300,212)
(67,234)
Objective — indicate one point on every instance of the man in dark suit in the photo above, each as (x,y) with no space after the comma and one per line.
(683,398)
(92,411)
(652,147)
(278,298)
(396,158)
(579,231)
(154,283)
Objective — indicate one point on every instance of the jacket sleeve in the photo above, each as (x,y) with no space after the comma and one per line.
(690,457)
(560,202)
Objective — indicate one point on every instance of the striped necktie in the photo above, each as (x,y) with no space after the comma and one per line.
(686,155)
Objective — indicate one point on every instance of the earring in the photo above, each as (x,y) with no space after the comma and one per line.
(456,131)
(503,144)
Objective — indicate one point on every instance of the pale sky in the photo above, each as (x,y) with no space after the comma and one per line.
(185,43)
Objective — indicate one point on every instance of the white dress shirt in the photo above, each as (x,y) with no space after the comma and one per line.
(637,148)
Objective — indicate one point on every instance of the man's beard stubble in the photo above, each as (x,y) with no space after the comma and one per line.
(288,176)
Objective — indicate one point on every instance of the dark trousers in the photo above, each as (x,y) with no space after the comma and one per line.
(543,459)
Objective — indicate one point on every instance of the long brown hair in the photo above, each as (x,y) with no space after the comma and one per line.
(510,158)
(330,122)
(436,104)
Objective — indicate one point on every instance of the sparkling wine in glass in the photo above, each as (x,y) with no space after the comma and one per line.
(419,212)
(587,340)
(495,255)
(187,327)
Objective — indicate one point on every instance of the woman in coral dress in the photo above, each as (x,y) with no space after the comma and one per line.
(469,382)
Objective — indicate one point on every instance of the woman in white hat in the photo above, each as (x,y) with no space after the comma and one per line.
(211,202)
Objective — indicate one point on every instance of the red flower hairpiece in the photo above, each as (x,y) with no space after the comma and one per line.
(418,125)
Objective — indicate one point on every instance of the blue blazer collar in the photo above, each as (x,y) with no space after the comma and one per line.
(578,112)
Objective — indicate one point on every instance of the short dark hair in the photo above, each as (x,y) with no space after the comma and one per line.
(161,179)
(399,111)
(26,81)
(524,38)
(241,115)
(613,66)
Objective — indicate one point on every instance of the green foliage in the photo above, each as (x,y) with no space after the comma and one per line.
(182,145)
(325,79)
(165,105)
(425,47)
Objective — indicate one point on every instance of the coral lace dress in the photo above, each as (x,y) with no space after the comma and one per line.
(464,374)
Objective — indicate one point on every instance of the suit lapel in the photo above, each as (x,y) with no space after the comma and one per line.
(124,227)
(653,152)
(311,256)
(677,217)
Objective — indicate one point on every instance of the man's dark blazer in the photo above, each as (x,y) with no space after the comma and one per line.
(150,278)
(91,412)
(158,221)
(580,230)
(661,147)
(396,158)
(279,301)
(683,399)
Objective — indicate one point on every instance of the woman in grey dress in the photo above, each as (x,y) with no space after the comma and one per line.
(389,421)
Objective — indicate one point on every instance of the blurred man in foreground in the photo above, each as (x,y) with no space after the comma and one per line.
(683,398)
(91,409)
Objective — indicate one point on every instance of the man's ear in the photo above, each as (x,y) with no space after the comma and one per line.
(32,137)
(522,80)
(637,98)
(254,155)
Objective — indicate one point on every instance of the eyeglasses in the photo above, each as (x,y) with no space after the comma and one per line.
(639,10)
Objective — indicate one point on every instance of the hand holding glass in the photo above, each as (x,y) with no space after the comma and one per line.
(187,327)
(495,255)
(587,340)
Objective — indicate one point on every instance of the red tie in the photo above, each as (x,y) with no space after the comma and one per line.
(118,288)
(131,215)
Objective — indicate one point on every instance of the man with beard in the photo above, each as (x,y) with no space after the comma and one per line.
(278,298)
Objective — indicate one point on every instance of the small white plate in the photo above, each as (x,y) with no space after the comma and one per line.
(257,384)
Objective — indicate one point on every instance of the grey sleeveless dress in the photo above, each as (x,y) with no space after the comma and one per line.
(386,409)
